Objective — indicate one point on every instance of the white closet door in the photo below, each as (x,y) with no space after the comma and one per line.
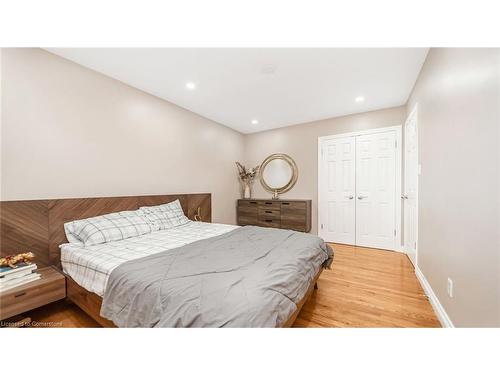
(376,190)
(411,187)
(337,203)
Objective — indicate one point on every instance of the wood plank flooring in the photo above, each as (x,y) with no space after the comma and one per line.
(368,288)
(364,288)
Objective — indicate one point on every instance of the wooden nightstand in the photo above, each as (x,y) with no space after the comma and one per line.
(49,288)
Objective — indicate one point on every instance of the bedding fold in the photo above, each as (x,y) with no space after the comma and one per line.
(248,277)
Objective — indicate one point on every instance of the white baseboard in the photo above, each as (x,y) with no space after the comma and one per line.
(400,249)
(436,305)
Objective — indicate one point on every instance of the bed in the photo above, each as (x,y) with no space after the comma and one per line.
(226,267)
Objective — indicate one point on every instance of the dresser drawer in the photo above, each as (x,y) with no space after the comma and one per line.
(50,288)
(272,223)
(274,205)
(269,214)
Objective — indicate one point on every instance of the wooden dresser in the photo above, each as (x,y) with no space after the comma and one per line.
(292,214)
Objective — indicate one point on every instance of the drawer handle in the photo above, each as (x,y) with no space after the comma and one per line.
(287,203)
(253,202)
(19,294)
(268,212)
(269,202)
(269,220)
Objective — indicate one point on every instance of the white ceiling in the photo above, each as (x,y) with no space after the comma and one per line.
(276,86)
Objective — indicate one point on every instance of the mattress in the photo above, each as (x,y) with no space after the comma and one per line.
(91,266)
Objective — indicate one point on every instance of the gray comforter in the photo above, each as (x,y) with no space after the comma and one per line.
(249,277)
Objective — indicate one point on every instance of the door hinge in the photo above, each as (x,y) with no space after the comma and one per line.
(395,144)
(321,226)
(394,232)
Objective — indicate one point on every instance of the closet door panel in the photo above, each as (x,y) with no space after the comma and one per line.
(337,221)
(375,190)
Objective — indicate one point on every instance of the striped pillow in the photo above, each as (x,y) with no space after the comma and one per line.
(111,227)
(165,216)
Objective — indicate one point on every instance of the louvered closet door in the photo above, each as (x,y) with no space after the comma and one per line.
(376,190)
(337,190)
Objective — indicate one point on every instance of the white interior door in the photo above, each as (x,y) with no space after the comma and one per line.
(411,187)
(376,190)
(337,190)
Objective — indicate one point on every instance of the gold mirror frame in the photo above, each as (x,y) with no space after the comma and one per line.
(286,187)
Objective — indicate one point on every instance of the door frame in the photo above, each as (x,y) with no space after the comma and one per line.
(414,112)
(398,245)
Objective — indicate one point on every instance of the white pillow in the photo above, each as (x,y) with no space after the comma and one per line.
(69,229)
(165,216)
(111,227)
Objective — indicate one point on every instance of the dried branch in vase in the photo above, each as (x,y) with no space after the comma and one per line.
(247,176)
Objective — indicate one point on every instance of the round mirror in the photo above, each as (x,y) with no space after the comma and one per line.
(278,174)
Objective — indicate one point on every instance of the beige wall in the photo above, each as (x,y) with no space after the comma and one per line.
(301,143)
(458,102)
(68,131)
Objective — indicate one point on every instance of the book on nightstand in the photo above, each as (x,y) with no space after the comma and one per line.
(13,277)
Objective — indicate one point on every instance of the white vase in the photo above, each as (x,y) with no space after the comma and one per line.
(247,194)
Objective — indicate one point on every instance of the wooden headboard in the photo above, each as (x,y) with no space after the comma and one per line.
(37,225)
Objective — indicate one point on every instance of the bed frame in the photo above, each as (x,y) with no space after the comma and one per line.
(37,226)
(91,302)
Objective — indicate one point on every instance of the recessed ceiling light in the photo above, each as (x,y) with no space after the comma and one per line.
(255,122)
(190,85)
(359,99)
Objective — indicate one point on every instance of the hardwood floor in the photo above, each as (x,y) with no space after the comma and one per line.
(63,314)
(364,288)
(368,288)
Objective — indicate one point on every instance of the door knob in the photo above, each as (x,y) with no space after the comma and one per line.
(361,197)
(404,196)
(350,196)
